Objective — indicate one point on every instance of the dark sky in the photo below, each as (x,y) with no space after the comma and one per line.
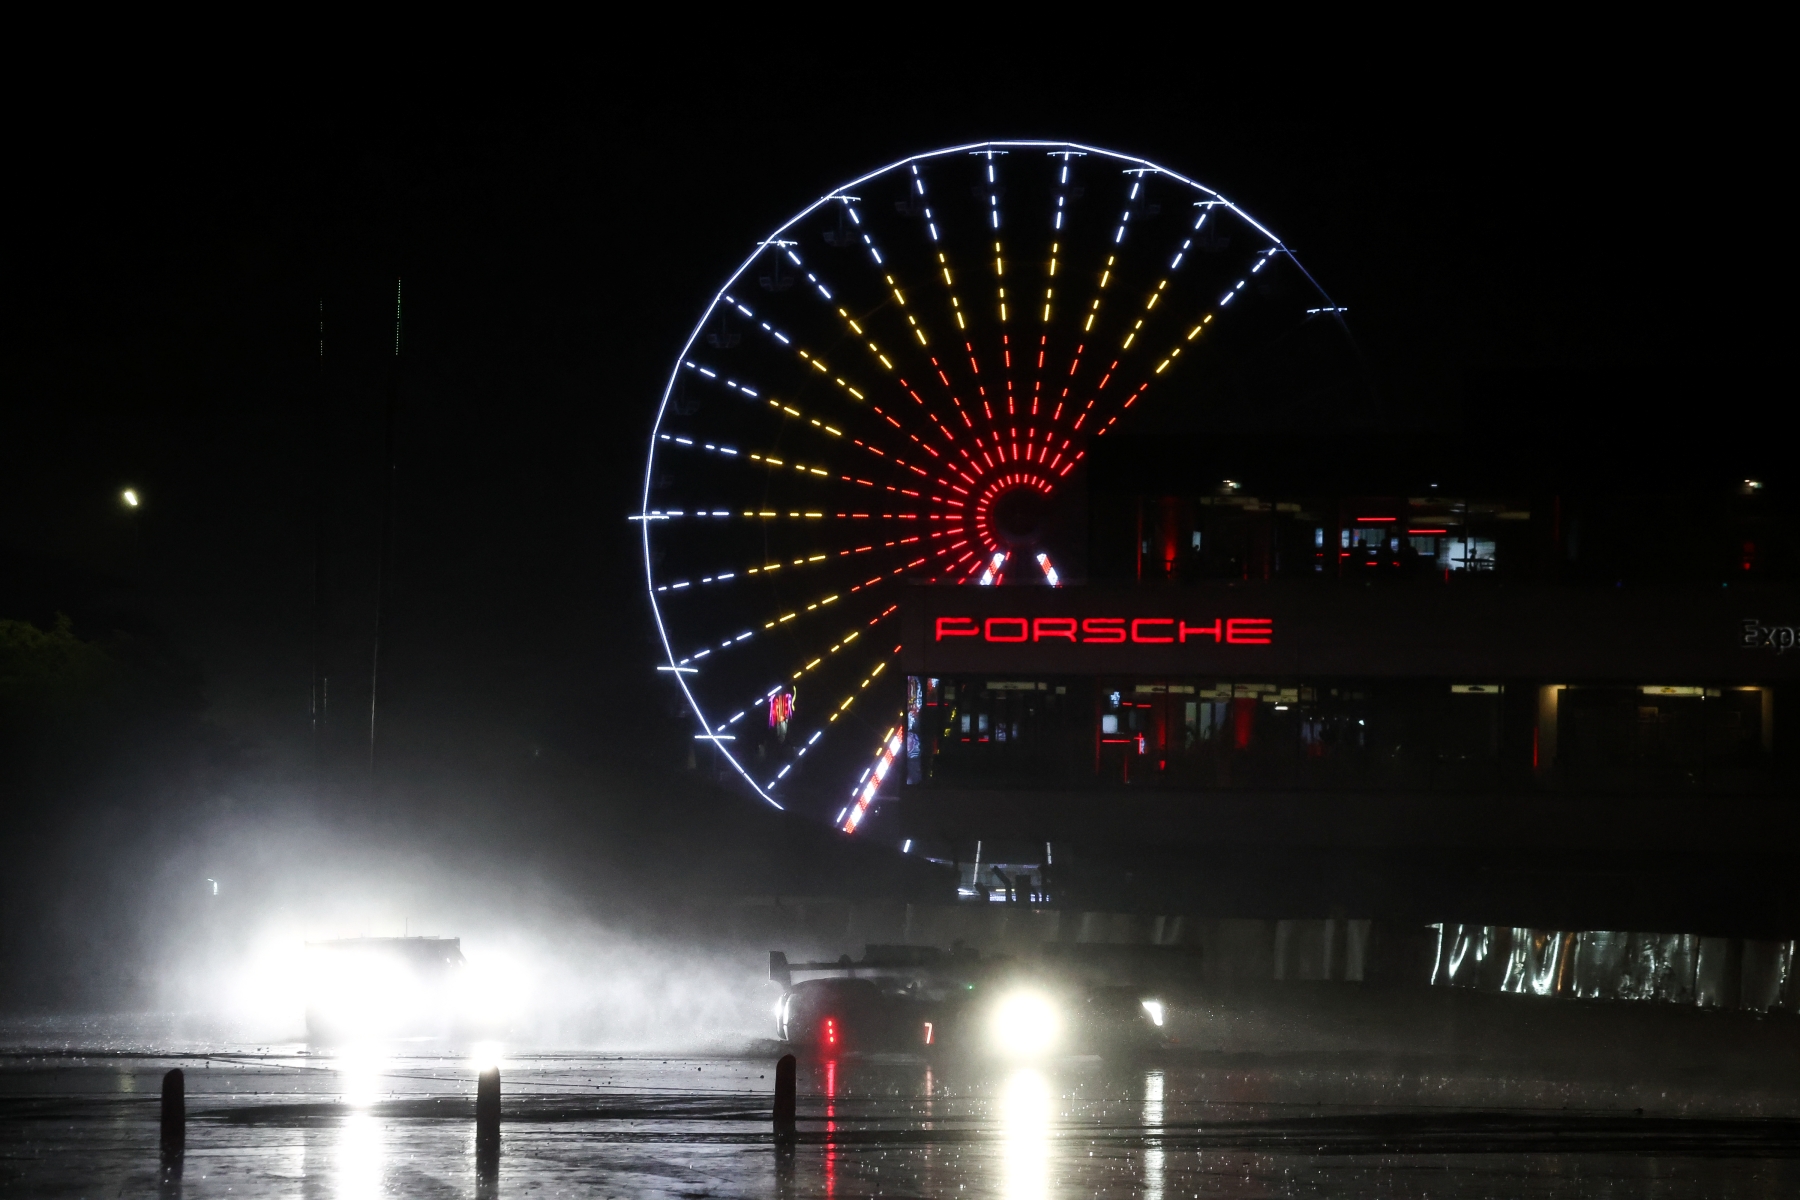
(1539,254)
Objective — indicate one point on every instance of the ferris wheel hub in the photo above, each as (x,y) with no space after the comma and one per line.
(1019,517)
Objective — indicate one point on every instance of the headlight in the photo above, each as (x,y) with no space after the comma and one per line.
(1155,1009)
(1025,1024)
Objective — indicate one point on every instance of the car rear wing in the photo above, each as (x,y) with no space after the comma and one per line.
(877,960)
(782,971)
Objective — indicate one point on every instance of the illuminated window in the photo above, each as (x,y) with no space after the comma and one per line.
(1465,554)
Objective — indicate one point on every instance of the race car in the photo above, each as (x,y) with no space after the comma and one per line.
(919,999)
(382,987)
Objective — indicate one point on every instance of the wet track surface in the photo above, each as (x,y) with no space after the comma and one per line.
(278,1122)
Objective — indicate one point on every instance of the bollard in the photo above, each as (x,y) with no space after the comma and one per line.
(174,1114)
(487,1115)
(784,1100)
(487,1106)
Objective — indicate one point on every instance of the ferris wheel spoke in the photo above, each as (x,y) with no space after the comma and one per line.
(1065,189)
(872,670)
(1085,413)
(886,363)
(672,514)
(833,301)
(824,429)
(800,612)
(941,269)
(1091,314)
(811,472)
(807,358)
(995,189)
(856,569)
(937,376)
(1156,292)
(749,574)
(821,660)
(1258,262)
(833,559)
(824,658)
(863,794)
(818,365)
(844,708)
(889,460)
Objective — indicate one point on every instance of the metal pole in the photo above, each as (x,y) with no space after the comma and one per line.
(318,613)
(383,564)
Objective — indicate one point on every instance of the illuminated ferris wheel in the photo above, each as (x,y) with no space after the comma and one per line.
(901,385)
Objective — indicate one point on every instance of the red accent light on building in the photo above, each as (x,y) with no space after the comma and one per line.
(1243,721)
(1378,518)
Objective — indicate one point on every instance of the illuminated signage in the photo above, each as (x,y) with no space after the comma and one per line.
(1780,638)
(1108,631)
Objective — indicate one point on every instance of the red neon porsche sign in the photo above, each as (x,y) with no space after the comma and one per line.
(1108,631)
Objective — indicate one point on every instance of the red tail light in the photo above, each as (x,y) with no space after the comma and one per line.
(830,1031)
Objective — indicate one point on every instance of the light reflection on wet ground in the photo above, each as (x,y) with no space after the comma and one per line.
(401,1124)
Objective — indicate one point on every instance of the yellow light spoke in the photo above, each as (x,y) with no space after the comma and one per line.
(950,288)
(799,563)
(772,461)
(843,642)
(999,274)
(787,685)
(1167,361)
(813,607)
(912,321)
(850,699)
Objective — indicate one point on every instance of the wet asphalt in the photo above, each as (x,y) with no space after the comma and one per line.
(278,1121)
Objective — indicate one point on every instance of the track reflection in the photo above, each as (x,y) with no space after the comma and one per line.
(1295,1125)
(1025,1113)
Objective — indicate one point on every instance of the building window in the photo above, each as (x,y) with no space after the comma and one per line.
(1465,554)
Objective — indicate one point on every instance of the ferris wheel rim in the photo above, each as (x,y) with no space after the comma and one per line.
(643,515)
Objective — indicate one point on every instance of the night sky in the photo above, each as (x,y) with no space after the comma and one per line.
(1537,257)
